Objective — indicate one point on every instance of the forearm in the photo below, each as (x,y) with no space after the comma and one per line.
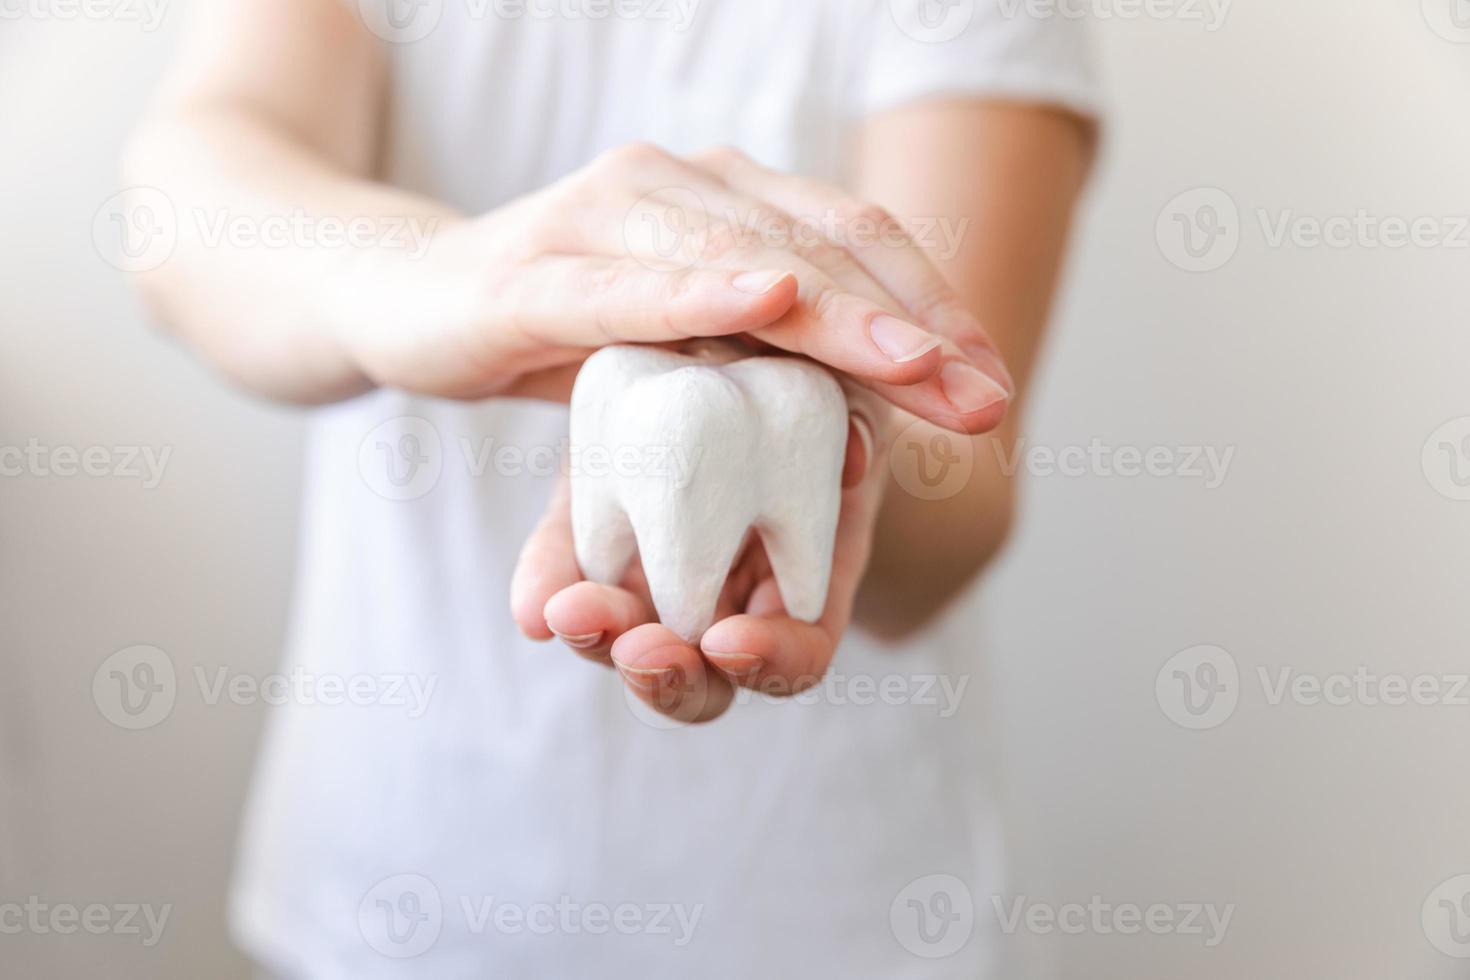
(264,138)
(280,250)
(1015,177)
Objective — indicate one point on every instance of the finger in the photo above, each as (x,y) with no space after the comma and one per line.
(847,324)
(669,675)
(842,329)
(859,454)
(591,301)
(549,384)
(547,565)
(876,240)
(776,655)
(872,427)
(941,383)
(920,372)
(707,226)
(745,575)
(765,600)
(589,618)
(960,398)
(768,650)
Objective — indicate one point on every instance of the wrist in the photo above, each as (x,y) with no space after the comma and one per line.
(408,315)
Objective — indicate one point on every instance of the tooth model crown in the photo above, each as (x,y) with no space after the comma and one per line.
(677,456)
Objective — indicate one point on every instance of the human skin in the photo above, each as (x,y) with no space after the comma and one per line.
(275,106)
(1014,171)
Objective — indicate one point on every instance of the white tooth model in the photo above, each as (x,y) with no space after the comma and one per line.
(676,456)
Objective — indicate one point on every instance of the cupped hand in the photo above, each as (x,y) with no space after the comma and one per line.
(753,642)
(644,246)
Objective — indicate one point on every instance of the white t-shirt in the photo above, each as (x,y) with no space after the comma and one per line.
(451,800)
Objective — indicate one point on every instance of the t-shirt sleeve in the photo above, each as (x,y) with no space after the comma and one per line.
(1022,50)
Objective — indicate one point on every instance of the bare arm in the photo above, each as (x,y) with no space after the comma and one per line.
(1014,173)
(273,113)
(272,108)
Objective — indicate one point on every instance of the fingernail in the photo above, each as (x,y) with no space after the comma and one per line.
(900,341)
(968,389)
(647,680)
(585,641)
(736,664)
(989,362)
(758,283)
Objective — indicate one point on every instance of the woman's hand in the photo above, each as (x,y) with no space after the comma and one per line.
(642,246)
(753,642)
(637,246)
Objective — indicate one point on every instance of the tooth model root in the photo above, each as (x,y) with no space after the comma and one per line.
(677,457)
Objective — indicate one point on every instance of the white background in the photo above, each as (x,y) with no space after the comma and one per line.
(1326,549)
